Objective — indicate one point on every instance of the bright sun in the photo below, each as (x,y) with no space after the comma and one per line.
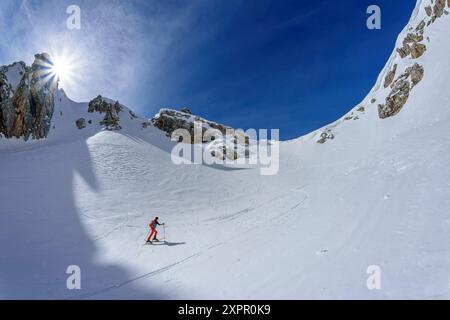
(62,69)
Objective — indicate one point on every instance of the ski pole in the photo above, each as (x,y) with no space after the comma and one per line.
(164,230)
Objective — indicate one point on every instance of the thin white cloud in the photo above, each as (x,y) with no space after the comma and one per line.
(116,46)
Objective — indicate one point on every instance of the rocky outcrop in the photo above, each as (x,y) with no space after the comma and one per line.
(438,9)
(354,115)
(26,99)
(221,141)
(390,76)
(169,120)
(416,73)
(396,100)
(421,26)
(412,46)
(325,136)
(111,120)
(412,43)
(186,110)
(133,115)
(81,123)
(417,50)
(401,89)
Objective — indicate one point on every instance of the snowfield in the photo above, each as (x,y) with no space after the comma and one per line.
(377,194)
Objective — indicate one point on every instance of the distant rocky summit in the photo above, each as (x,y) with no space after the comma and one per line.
(110,109)
(224,142)
(26,99)
(169,120)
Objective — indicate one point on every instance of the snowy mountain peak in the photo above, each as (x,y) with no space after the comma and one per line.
(169,120)
(417,61)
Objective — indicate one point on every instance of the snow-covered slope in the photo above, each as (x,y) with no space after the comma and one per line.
(375,194)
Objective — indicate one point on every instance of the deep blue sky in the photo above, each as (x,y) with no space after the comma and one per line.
(292,64)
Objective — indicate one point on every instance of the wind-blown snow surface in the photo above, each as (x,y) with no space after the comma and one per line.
(378,194)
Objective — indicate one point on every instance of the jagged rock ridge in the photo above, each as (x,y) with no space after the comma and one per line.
(401,89)
(400,84)
(169,120)
(223,141)
(26,99)
(413,47)
(111,110)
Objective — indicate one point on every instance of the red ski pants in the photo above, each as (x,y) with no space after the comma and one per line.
(153,232)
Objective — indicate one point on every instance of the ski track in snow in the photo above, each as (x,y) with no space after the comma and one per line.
(141,277)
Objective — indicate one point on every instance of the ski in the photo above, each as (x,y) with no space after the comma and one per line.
(154,243)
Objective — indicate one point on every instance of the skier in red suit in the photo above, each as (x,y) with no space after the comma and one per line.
(153,226)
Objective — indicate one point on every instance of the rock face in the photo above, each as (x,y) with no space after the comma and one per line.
(417,50)
(169,120)
(412,42)
(81,123)
(390,77)
(186,110)
(438,9)
(396,100)
(111,110)
(325,136)
(401,89)
(26,99)
(132,115)
(421,26)
(221,141)
(412,46)
(416,73)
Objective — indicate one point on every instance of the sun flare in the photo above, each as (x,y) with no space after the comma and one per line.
(61,69)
